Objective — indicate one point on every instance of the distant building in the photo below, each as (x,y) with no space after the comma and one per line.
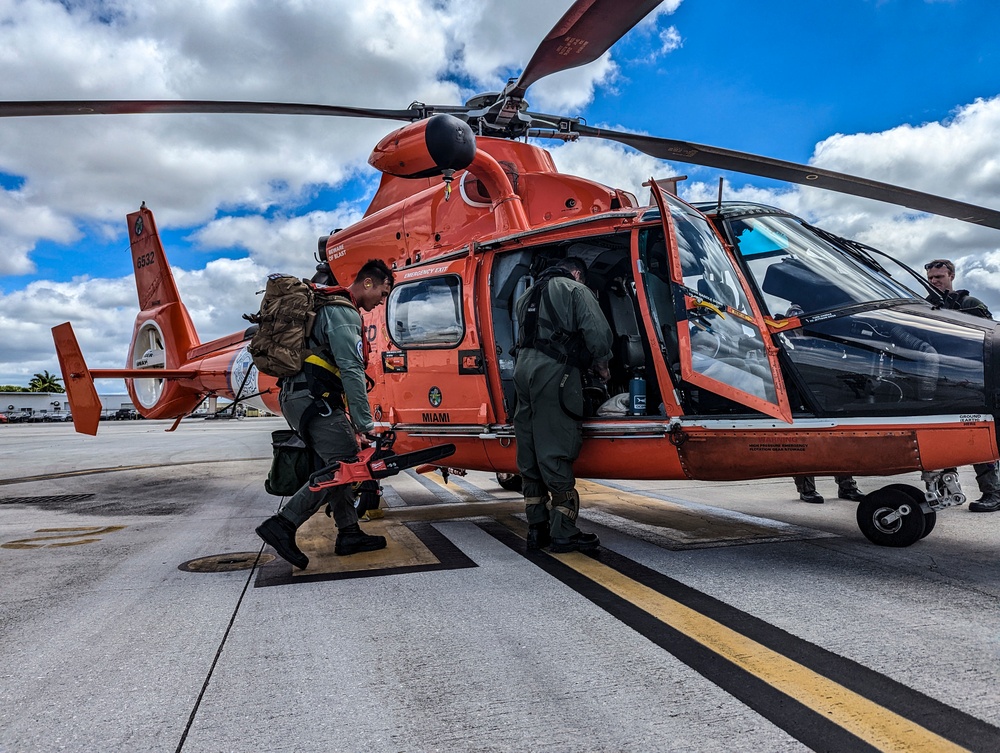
(54,406)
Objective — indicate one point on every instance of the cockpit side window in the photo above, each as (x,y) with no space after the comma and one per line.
(890,362)
(800,273)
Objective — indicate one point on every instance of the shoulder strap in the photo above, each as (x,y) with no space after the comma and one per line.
(325,295)
(528,334)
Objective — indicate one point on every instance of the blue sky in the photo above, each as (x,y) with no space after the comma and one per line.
(903,91)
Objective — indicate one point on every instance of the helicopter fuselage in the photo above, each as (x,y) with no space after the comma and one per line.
(875,382)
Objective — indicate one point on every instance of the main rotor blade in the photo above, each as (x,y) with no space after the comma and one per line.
(583,34)
(137,106)
(806,175)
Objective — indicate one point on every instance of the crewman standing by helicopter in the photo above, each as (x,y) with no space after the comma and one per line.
(313,402)
(941,274)
(563,333)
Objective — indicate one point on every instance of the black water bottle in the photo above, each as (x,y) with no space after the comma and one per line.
(637,394)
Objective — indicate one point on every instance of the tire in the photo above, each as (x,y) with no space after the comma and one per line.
(903,531)
(930,516)
(509,481)
(369,497)
(930,520)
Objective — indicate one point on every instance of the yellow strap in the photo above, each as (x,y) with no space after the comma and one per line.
(317,361)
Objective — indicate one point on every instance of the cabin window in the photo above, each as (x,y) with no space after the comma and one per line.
(726,348)
(426,313)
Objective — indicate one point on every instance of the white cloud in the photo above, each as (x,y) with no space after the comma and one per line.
(611,164)
(102,312)
(22,225)
(76,174)
(84,173)
(283,245)
(670,40)
(384,53)
(955,158)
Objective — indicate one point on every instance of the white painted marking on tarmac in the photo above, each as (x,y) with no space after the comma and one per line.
(718,512)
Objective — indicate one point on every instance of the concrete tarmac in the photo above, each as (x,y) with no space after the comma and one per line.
(140,612)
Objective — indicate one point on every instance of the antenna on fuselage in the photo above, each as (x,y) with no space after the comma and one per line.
(718,208)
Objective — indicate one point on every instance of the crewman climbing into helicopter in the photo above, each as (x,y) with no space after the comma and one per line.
(314,400)
(563,333)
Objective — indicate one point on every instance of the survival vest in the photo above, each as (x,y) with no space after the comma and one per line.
(280,346)
(565,347)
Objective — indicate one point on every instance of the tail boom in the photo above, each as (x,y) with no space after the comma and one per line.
(169,371)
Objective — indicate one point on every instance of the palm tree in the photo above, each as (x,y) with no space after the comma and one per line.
(45,382)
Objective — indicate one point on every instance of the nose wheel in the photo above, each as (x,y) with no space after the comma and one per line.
(930,517)
(893,516)
(509,481)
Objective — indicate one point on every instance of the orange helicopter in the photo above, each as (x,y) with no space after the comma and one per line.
(749,344)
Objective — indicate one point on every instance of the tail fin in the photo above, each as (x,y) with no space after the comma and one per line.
(154,281)
(164,334)
(79,379)
(159,378)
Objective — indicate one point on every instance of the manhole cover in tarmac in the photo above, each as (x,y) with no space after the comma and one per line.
(223,563)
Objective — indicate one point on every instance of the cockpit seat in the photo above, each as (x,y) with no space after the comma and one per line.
(628,343)
(793,281)
(717,291)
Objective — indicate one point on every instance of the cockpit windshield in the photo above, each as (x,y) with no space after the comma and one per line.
(799,272)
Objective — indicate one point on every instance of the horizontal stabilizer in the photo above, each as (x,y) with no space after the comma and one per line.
(144,373)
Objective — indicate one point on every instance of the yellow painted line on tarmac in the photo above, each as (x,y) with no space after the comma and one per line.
(863,718)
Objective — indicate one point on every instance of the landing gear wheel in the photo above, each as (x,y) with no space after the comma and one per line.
(369,497)
(509,481)
(930,520)
(889,517)
(930,517)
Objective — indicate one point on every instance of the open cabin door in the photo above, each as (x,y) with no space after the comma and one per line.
(720,330)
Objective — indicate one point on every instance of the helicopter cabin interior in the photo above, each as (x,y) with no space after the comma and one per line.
(609,276)
(728,356)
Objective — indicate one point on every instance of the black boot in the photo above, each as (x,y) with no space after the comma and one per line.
(351,540)
(852,493)
(279,532)
(538,536)
(578,542)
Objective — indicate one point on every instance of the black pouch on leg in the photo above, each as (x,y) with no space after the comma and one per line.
(291,464)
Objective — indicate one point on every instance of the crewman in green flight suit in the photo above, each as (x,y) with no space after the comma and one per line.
(313,402)
(563,333)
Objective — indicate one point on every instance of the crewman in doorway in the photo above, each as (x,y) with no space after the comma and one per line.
(563,333)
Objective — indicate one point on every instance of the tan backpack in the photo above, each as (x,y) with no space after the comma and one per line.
(285,320)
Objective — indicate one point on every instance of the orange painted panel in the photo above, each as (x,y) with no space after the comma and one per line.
(948,447)
(733,455)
